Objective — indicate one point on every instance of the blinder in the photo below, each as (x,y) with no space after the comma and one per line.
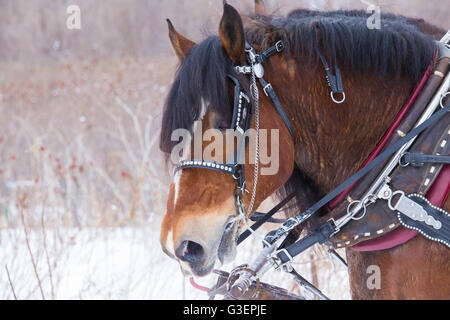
(241,120)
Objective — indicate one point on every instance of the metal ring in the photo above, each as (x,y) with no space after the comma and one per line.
(402,164)
(442,99)
(234,276)
(338,101)
(389,201)
(363,206)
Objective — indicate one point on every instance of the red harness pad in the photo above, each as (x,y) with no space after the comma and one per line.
(398,119)
(437,195)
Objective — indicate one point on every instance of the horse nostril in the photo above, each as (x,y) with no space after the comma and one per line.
(190,251)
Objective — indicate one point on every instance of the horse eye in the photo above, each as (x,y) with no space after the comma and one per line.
(222,125)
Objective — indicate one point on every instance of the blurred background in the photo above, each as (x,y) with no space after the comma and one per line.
(82,182)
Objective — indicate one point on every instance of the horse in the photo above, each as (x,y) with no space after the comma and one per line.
(327,141)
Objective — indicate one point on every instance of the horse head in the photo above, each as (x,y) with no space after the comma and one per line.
(201,225)
(214,94)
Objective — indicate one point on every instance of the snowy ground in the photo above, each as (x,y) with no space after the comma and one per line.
(124,263)
(75,144)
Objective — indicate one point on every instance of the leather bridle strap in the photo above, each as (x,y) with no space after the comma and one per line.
(211,165)
(263,56)
(270,92)
(241,120)
(267,87)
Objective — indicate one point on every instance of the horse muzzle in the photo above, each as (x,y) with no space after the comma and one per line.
(199,257)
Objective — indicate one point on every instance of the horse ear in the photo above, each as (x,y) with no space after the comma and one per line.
(260,8)
(231,33)
(181,45)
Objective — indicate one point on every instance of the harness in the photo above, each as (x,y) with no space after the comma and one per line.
(411,210)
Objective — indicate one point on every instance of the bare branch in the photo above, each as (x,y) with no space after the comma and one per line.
(10,283)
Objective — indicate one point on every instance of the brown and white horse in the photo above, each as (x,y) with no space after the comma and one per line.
(379,68)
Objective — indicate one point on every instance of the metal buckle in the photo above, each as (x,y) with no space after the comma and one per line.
(276,260)
(266,87)
(252,56)
(335,224)
(441,101)
(362,203)
(401,161)
(279,46)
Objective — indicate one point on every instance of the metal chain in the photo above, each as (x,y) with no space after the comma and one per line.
(255,95)
(242,215)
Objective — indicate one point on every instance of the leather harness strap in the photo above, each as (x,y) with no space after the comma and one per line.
(392,129)
(267,87)
(379,220)
(292,222)
(268,216)
(325,231)
(265,55)
(418,159)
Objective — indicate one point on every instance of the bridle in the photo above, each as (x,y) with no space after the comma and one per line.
(241,121)
(242,117)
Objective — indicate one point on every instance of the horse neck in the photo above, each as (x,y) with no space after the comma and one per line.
(333,140)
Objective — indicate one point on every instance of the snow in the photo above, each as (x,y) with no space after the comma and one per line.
(126,263)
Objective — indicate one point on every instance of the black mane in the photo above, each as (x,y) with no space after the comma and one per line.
(398,48)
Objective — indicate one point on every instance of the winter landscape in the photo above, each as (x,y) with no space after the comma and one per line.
(83,184)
